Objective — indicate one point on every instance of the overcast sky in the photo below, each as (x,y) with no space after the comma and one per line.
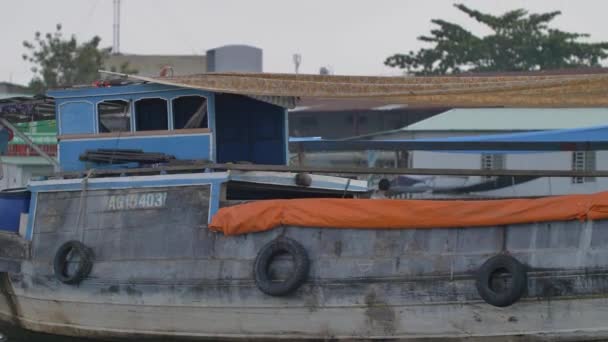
(350,36)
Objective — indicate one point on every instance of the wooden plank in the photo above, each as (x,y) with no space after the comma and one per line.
(340,170)
(195,166)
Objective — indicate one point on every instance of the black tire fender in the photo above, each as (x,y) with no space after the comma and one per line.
(518,285)
(85,263)
(301,266)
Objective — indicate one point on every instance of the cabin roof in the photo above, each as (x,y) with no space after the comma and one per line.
(123,89)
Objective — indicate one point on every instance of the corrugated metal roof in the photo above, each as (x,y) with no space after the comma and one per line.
(512,119)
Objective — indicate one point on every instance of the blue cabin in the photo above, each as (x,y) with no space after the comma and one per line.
(189,124)
(186,124)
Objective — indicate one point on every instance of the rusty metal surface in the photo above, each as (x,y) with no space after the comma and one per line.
(159,272)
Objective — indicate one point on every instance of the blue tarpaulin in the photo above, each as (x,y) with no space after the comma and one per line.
(576,139)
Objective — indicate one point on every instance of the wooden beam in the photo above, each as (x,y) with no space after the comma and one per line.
(410,171)
(339,170)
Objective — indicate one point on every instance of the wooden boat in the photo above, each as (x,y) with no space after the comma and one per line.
(121,251)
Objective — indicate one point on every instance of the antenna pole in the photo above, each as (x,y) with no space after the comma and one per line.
(116,42)
(297,59)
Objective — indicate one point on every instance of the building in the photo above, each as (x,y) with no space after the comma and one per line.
(17,171)
(337,119)
(242,58)
(340,119)
(151,65)
(487,121)
(21,163)
(8,89)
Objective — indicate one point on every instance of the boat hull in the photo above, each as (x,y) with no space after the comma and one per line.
(160,273)
(573,318)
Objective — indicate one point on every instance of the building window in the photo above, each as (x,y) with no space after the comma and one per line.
(151,115)
(190,112)
(583,161)
(114,116)
(492,162)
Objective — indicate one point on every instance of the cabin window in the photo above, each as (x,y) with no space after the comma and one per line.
(190,112)
(583,161)
(151,115)
(492,162)
(114,116)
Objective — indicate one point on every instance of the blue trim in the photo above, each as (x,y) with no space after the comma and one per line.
(211,122)
(113,98)
(112,91)
(286,135)
(29,231)
(35,188)
(215,184)
(214,199)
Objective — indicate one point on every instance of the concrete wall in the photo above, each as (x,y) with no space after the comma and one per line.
(522,161)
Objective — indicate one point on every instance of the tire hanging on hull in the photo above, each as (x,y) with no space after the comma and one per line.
(515,289)
(61,262)
(296,278)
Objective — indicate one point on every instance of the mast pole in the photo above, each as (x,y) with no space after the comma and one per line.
(116,41)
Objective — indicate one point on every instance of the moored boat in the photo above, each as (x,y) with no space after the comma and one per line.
(153,230)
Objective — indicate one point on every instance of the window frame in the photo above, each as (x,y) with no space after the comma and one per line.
(494,165)
(131,111)
(171,114)
(586,156)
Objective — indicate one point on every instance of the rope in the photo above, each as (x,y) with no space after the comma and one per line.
(81,204)
(346,187)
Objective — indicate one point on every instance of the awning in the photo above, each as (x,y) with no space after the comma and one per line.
(565,90)
(576,139)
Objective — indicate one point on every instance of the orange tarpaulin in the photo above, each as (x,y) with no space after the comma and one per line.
(405,214)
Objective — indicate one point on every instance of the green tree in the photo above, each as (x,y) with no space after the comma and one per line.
(520,41)
(59,61)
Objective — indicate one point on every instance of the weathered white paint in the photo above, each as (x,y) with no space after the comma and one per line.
(573,319)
